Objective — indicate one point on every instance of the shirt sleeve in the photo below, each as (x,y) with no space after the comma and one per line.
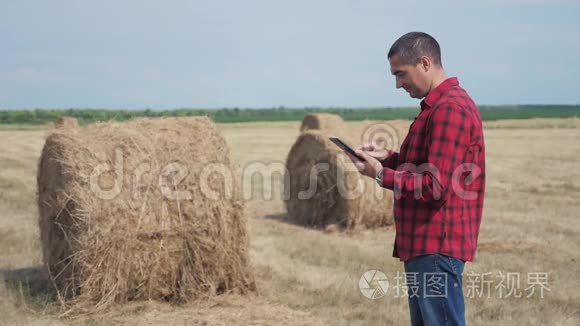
(391,160)
(447,137)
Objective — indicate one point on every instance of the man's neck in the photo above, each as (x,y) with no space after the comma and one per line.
(439,78)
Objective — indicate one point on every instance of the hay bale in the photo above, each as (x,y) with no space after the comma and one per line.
(125,213)
(324,188)
(322,121)
(66,122)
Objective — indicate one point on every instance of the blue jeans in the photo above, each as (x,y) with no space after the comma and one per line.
(434,287)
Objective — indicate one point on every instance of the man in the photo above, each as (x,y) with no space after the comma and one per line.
(438,178)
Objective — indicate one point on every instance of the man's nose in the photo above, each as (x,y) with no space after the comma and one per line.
(399,84)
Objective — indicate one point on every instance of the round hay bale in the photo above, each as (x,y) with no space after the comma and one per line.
(321,121)
(146,209)
(324,188)
(66,122)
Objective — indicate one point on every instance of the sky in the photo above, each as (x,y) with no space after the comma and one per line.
(317,53)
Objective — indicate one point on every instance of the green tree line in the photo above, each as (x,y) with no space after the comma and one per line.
(43,116)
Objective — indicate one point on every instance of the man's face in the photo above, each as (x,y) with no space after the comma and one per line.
(412,78)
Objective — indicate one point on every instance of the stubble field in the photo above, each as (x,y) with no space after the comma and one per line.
(530,228)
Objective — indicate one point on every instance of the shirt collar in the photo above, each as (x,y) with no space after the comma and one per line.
(436,93)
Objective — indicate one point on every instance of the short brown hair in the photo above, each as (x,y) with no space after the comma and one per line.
(412,46)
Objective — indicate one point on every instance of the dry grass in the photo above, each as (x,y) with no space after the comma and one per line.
(536,123)
(530,224)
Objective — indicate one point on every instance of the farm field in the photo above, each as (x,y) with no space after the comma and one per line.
(530,228)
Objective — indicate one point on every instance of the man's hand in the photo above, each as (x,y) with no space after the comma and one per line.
(374,152)
(369,167)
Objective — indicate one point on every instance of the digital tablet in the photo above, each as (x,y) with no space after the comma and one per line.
(345,147)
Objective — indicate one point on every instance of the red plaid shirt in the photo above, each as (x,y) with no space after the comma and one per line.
(439,177)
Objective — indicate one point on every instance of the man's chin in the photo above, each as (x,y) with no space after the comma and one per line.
(414,95)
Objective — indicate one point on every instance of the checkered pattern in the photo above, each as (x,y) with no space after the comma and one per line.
(439,177)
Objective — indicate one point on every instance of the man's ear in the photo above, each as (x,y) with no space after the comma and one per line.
(425,63)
